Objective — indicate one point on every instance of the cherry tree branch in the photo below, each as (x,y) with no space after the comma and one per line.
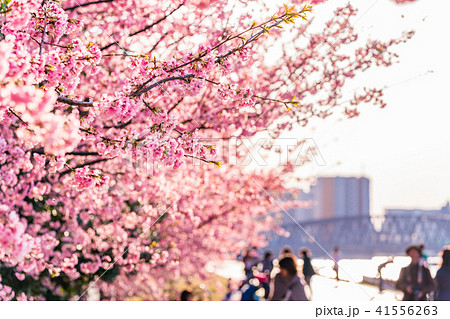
(16,115)
(69,101)
(158,42)
(144,29)
(43,34)
(84,164)
(202,159)
(119,126)
(264,29)
(293,101)
(87,4)
(172,78)
(75,153)
(211,218)
(48,43)
(176,104)
(156,22)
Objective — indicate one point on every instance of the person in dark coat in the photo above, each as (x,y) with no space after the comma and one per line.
(267,266)
(336,257)
(250,260)
(308,270)
(286,252)
(442,278)
(380,268)
(415,280)
(186,296)
(267,262)
(287,285)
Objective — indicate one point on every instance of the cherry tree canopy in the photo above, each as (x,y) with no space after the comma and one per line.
(105,107)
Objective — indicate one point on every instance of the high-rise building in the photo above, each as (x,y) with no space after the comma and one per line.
(340,197)
(330,197)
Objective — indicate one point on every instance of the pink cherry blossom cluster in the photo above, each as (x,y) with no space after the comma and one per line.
(60,68)
(56,132)
(21,12)
(16,60)
(51,17)
(119,107)
(6,292)
(244,54)
(202,66)
(85,178)
(242,97)
(14,242)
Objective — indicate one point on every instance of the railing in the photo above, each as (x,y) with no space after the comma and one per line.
(364,236)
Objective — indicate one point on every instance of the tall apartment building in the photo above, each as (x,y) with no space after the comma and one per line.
(331,197)
(340,197)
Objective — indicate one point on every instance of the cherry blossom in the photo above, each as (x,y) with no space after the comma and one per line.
(110,116)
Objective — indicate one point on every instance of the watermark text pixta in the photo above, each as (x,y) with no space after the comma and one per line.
(349,312)
(244,152)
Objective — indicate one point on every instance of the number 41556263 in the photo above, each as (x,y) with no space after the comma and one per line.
(407,310)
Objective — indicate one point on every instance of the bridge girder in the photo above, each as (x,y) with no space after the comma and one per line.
(358,236)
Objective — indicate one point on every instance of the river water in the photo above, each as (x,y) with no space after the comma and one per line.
(324,287)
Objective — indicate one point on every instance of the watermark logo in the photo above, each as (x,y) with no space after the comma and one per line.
(242,152)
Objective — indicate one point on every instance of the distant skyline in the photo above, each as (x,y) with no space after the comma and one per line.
(405,148)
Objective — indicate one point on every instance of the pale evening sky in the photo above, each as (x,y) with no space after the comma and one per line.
(405,148)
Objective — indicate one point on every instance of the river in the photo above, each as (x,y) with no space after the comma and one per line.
(324,287)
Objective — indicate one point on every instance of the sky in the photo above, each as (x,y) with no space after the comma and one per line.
(404,148)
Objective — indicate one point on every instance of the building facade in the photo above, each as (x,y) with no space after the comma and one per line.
(332,197)
(335,197)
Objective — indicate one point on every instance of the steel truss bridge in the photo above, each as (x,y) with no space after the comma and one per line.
(366,236)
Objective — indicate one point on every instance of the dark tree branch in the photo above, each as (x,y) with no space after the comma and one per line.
(75,153)
(175,42)
(86,4)
(15,114)
(145,28)
(148,106)
(110,45)
(66,100)
(84,164)
(81,153)
(102,137)
(176,104)
(120,126)
(254,37)
(48,43)
(156,44)
(156,22)
(173,78)
(195,157)
(210,219)
(43,34)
